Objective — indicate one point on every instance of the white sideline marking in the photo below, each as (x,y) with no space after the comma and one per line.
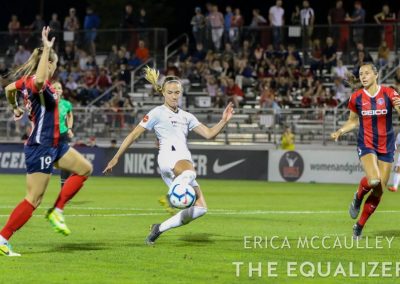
(214,212)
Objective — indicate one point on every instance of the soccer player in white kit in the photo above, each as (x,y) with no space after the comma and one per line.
(396,175)
(171,125)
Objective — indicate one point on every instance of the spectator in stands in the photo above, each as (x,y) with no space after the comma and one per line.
(13,28)
(228,54)
(69,56)
(142,52)
(227,69)
(71,84)
(360,60)
(307,19)
(293,59)
(235,32)
(199,54)
(316,58)
(112,58)
(287,140)
(306,100)
(36,29)
(143,23)
(357,19)
(198,23)
(216,20)
(214,91)
(383,55)
(340,71)
(383,16)
(295,17)
(129,22)
(331,101)
(113,143)
(123,74)
(232,91)
(21,56)
(339,91)
(277,21)
(336,17)
(183,54)
(90,25)
(256,22)
(71,23)
(267,96)
(329,55)
(55,30)
(367,55)
(103,81)
(92,141)
(227,22)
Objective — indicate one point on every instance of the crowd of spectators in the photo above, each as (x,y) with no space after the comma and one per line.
(258,64)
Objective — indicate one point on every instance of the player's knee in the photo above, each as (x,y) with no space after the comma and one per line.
(374,182)
(35,200)
(86,170)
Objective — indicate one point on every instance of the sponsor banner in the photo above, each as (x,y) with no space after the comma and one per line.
(216,164)
(324,166)
(210,163)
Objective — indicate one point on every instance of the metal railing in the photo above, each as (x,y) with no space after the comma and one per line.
(248,126)
(167,50)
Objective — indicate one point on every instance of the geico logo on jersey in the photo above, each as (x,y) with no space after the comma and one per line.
(374,112)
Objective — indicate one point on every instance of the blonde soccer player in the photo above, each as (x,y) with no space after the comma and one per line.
(171,125)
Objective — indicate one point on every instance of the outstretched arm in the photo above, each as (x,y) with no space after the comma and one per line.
(11,94)
(42,69)
(208,132)
(125,145)
(350,124)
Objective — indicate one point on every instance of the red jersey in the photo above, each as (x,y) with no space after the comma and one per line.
(42,107)
(375,116)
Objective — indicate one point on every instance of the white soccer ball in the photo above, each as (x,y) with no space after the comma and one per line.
(181,196)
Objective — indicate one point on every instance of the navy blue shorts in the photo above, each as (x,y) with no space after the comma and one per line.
(386,157)
(40,159)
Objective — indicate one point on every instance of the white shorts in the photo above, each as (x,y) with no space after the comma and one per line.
(167,162)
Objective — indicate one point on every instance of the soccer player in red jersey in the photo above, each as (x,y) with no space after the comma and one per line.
(43,149)
(371,109)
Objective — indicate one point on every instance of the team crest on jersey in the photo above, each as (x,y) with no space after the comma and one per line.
(145,118)
(381,101)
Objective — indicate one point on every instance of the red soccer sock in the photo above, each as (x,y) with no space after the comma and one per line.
(369,207)
(71,187)
(363,188)
(19,216)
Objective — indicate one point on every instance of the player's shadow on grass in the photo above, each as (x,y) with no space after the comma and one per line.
(73,247)
(388,233)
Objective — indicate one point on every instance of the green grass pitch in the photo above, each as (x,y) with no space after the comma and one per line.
(110,219)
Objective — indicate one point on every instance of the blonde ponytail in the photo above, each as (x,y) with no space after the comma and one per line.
(152,75)
(30,66)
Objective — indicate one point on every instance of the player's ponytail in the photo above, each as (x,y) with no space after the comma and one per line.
(30,66)
(152,75)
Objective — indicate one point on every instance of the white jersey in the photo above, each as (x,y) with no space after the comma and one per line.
(171,129)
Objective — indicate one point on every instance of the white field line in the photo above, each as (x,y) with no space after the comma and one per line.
(211,212)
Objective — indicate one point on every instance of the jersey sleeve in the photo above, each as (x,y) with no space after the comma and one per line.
(150,119)
(193,121)
(352,103)
(392,94)
(69,106)
(28,82)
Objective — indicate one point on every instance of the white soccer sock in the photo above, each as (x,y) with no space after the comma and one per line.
(186,177)
(396,180)
(183,217)
(3,241)
(59,210)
